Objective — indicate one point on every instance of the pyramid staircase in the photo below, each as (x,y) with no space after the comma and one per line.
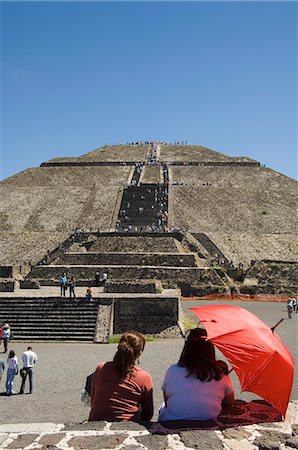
(141,206)
(211,248)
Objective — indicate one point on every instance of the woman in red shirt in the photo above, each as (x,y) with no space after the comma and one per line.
(121,390)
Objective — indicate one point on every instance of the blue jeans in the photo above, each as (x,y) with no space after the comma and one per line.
(29,372)
(9,380)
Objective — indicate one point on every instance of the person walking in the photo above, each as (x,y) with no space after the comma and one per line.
(12,371)
(6,336)
(63,284)
(29,358)
(120,389)
(72,285)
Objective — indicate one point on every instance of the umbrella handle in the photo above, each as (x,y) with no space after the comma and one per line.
(276,325)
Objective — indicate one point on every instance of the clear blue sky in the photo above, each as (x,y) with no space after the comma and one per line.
(77,75)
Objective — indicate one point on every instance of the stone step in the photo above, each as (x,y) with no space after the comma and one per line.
(45,311)
(34,329)
(50,318)
(56,337)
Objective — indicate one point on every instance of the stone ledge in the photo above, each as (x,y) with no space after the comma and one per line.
(263,430)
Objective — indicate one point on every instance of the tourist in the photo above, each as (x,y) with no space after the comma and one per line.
(104,278)
(63,284)
(198,386)
(89,293)
(290,307)
(72,285)
(29,358)
(97,279)
(5,336)
(120,389)
(12,371)
(294,303)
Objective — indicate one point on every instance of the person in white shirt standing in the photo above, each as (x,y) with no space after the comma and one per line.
(29,359)
(5,336)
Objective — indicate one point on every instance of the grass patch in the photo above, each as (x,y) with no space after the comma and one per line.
(188,323)
(115,338)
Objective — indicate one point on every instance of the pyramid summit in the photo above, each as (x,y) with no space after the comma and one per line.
(138,152)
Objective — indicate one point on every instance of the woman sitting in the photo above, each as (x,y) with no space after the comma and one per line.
(121,390)
(196,387)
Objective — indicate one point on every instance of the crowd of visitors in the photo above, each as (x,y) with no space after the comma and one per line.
(292,306)
(151,204)
(150,142)
(152,154)
(71,285)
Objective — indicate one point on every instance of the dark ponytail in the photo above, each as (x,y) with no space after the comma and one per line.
(130,346)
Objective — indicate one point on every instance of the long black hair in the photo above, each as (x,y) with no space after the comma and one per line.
(198,357)
(131,344)
(11,354)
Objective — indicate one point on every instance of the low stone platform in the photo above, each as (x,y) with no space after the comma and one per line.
(245,426)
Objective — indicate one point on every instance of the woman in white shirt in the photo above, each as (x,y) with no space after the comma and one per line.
(196,387)
(12,370)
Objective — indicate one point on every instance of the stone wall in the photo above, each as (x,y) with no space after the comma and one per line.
(171,275)
(29,284)
(154,315)
(133,243)
(272,277)
(144,259)
(5,271)
(132,287)
(7,285)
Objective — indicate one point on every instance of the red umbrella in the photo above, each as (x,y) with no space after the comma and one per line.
(262,362)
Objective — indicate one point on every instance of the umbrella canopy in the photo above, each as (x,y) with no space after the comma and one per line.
(261,361)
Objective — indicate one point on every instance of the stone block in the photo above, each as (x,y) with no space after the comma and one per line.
(127,425)
(96,442)
(29,284)
(235,444)
(52,439)
(267,444)
(202,439)
(236,433)
(22,441)
(153,442)
(292,442)
(94,425)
